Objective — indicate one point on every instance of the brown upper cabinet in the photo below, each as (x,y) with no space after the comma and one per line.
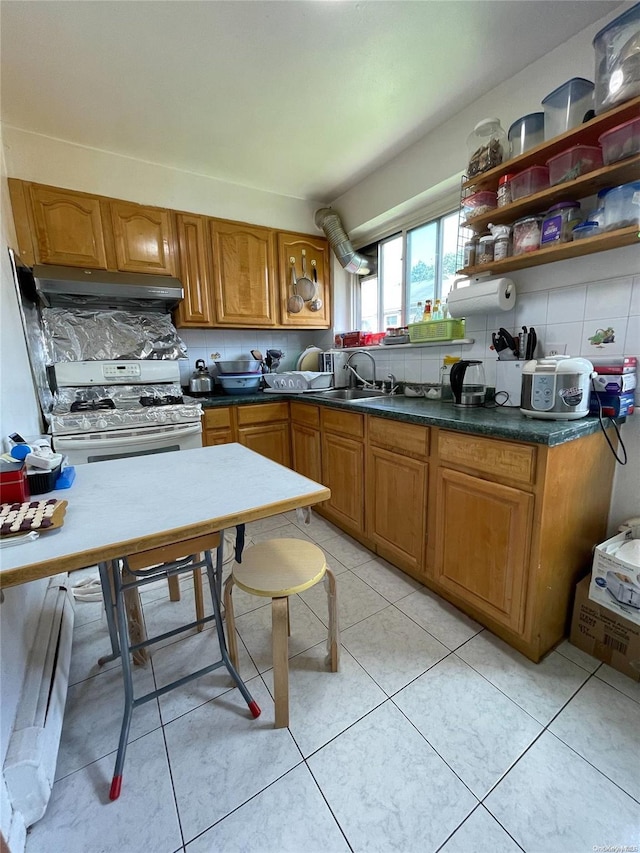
(243,274)
(234,274)
(58,226)
(194,263)
(68,228)
(143,238)
(301,253)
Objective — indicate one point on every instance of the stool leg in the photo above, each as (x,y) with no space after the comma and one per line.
(279,638)
(174,588)
(232,640)
(333,639)
(197,591)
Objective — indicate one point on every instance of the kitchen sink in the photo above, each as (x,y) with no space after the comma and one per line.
(351,394)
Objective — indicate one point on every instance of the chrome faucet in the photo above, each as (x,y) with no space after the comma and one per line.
(393,383)
(356,374)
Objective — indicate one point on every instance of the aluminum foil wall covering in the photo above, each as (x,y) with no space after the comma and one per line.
(85,335)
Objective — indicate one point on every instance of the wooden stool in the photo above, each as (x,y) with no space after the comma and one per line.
(157,556)
(277,569)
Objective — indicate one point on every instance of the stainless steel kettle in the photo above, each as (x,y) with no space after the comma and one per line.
(201,383)
(467,383)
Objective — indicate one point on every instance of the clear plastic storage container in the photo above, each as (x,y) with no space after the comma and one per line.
(567,106)
(575,161)
(586,229)
(622,141)
(487,146)
(532,180)
(617,49)
(622,206)
(479,203)
(526,234)
(525,133)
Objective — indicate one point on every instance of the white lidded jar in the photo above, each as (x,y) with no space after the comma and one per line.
(487,146)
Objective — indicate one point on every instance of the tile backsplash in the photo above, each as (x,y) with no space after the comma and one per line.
(237,343)
(596,318)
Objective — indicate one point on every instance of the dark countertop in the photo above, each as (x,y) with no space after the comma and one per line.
(497,421)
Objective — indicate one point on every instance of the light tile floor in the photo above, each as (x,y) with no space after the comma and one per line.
(434,735)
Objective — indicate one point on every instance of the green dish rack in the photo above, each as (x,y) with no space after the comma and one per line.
(436,330)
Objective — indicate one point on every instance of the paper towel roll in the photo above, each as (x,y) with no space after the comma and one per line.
(482,298)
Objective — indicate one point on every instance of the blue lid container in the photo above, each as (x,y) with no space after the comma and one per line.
(617,46)
(567,106)
(525,133)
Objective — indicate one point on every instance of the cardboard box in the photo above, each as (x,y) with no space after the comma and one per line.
(614,584)
(598,631)
(613,405)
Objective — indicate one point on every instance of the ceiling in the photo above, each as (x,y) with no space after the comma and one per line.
(303,98)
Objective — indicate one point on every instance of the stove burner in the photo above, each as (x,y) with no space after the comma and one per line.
(92,405)
(167,400)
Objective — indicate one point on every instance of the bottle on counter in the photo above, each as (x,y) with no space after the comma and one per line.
(419,313)
(426,316)
(436,314)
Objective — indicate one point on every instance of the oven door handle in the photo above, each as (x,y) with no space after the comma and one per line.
(124,437)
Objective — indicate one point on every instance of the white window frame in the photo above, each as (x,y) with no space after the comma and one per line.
(444,209)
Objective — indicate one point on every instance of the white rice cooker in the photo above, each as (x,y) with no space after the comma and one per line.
(556,388)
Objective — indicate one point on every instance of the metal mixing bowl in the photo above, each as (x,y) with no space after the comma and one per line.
(241,365)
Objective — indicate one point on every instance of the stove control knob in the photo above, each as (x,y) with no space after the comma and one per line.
(85,423)
(101,423)
(175,417)
(161,417)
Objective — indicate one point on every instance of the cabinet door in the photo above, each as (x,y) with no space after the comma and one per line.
(307,451)
(270,440)
(343,473)
(482,544)
(196,309)
(316,252)
(143,238)
(397,506)
(243,274)
(68,228)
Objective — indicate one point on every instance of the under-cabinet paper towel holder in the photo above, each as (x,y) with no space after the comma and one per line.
(481,295)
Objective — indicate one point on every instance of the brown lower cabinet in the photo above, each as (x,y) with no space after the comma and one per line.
(502,529)
(263,428)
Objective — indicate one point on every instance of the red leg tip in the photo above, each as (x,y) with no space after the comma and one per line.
(255,708)
(116,785)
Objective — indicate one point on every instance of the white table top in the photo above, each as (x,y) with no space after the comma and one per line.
(125,506)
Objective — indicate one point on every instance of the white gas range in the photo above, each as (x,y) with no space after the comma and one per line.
(112,409)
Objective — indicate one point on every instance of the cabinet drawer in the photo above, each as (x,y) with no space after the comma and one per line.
(306,415)
(345,422)
(501,458)
(409,438)
(263,413)
(217,418)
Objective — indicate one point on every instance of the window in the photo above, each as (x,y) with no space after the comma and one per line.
(415,265)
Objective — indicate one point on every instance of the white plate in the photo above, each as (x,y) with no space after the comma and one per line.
(308,360)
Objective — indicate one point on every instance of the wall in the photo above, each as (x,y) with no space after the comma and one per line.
(566,301)
(18,413)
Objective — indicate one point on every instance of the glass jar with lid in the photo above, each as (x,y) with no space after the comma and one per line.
(486,146)
(559,221)
(485,249)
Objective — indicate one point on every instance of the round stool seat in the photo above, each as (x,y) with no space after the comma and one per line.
(280,567)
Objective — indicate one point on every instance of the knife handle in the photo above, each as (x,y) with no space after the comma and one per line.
(522,345)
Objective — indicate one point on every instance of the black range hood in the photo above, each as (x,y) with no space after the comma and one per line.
(87,288)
